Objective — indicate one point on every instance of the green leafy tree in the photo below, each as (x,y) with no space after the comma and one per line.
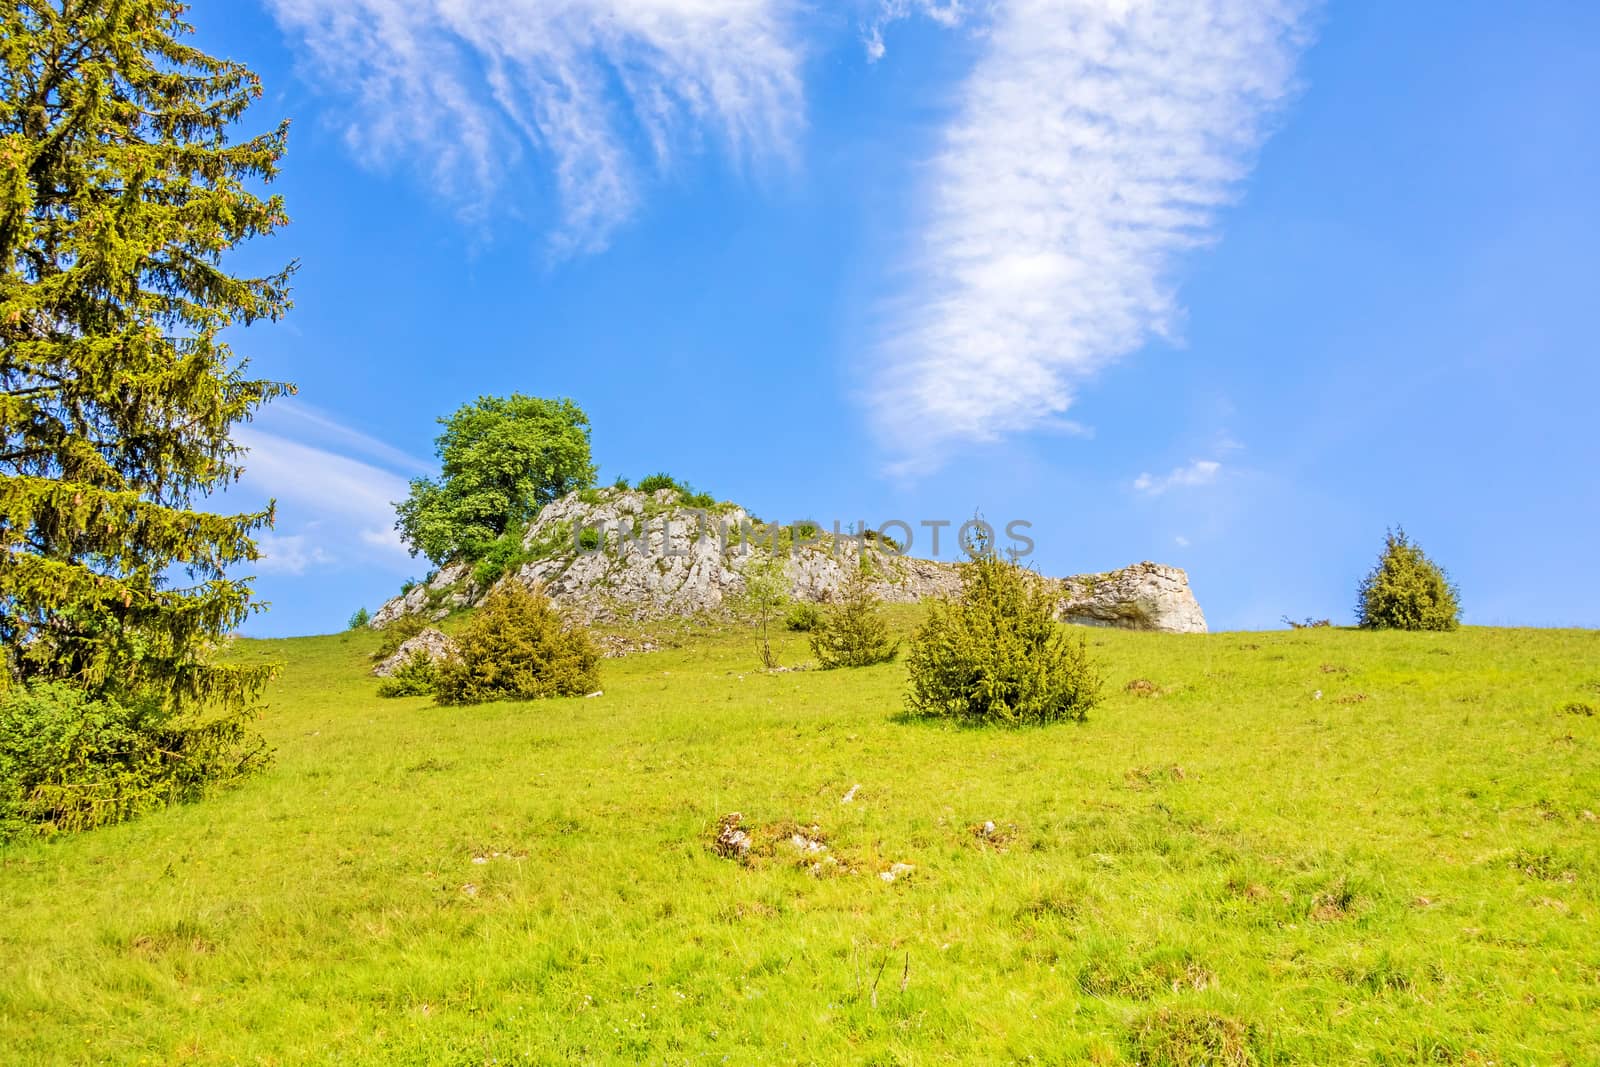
(765,595)
(121,189)
(996,654)
(852,631)
(502,459)
(1407,590)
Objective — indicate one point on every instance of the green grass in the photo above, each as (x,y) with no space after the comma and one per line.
(1223,871)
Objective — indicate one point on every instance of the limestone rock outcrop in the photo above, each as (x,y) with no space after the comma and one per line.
(610,555)
(1145,596)
(450,588)
(434,644)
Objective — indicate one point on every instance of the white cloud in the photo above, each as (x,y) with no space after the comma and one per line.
(945,12)
(291,554)
(1181,541)
(470,87)
(341,508)
(1200,472)
(1096,141)
(301,421)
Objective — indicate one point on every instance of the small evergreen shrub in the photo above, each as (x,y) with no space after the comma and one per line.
(589,539)
(853,632)
(70,761)
(416,676)
(518,647)
(1407,590)
(620,483)
(995,654)
(359,619)
(803,618)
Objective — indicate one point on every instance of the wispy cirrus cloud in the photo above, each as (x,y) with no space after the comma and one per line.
(588,86)
(289,554)
(1095,143)
(335,488)
(1200,472)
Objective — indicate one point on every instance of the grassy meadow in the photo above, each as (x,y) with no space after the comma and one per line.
(1217,868)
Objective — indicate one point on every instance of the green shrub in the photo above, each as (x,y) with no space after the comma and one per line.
(621,483)
(397,633)
(659,481)
(70,761)
(359,620)
(505,553)
(803,618)
(518,647)
(883,539)
(416,676)
(852,632)
(1407,591)
(995,654)
(590,539)
(688,496)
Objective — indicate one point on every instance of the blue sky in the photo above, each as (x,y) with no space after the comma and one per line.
(1230,285)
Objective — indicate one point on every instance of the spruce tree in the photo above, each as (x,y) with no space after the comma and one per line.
(121,189)
(996,654)
(1406,590)
(853,632)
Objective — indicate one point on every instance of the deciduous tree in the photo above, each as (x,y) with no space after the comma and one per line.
(502,458)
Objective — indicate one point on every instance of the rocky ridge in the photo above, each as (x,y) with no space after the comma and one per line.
(613,555)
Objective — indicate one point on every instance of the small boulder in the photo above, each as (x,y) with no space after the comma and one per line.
(898,870)
(431,642)
(731,841)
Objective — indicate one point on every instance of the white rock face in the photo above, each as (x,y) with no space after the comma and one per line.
(632,555)
(431,643)
(1145,596)
(449,589)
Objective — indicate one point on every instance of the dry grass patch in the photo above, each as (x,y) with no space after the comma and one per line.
(1192,1037)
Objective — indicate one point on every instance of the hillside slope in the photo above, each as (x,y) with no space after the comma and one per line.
(1404,870)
